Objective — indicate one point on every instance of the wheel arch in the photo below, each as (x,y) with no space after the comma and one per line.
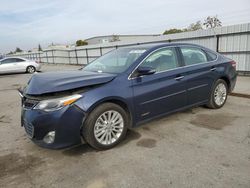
(226,79)
(116,100)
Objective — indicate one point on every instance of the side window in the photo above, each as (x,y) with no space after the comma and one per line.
(193,55)
(18,60)
(212,56)
(10,60)
(3,61)
(162,60)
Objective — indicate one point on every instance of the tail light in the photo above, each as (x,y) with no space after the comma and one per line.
(37,62)
(233,63)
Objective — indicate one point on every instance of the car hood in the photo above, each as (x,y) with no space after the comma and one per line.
(42,83)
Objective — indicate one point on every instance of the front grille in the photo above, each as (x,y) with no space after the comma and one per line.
(29,129)
(29,103)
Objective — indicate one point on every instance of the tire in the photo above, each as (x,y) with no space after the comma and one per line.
(30,69)
(101,134)
(217,100)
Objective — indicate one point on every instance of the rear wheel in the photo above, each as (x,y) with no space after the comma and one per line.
(218,95)
(31,69)
(106,126)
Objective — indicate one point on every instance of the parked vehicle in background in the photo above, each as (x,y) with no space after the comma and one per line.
(18,65)
(121,90)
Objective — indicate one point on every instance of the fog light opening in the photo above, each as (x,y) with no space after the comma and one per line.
(50,137)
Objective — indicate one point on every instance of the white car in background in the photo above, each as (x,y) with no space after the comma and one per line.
(18,64)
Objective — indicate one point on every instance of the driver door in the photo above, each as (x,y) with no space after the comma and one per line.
(161,92)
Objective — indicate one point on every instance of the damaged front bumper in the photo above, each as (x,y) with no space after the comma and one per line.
(63,126)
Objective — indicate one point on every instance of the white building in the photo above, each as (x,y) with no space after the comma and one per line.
(115,38)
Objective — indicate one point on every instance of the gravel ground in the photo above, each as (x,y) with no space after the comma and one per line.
(195,148)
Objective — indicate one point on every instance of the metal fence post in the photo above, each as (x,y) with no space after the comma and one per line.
(76,57)
(87,55)
(53,56)
(39,55)
(69,57)
(101,51)
(217,43)
(47,56)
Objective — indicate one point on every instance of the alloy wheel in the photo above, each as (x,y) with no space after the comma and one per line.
(31,69)
(220,94)
(108,127)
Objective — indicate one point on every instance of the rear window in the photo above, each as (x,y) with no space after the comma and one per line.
(212,56)
(19,60)
(193,55)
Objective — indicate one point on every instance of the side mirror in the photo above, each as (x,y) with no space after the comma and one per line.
(145,70)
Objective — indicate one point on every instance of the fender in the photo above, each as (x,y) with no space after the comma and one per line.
(128,106)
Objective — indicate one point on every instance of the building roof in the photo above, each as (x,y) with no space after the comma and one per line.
(105,36)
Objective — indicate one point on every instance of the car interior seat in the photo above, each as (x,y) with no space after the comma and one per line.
(165,62)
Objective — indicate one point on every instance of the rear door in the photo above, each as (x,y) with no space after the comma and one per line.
(200,74)
(163,91)
(19,65)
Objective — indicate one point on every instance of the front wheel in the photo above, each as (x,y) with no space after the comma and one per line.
(31,69)
(106,126)
(218,95)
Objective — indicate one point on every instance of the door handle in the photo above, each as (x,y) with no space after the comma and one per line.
(213,69)
(179,78)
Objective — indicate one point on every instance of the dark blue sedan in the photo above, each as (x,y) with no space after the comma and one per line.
(121,90)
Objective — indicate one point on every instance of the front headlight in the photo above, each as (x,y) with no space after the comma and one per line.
(56,104)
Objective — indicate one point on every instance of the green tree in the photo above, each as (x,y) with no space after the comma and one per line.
(212,22)
(195,26)
(10,53)
(171,31)
(114,38)
(81,43)
(18,50)
(39,48)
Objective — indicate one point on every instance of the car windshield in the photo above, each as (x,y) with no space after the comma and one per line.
(116,61)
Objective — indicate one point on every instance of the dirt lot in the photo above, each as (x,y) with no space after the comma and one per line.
(195,148)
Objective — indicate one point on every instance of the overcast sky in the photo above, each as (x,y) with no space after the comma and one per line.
(26,23)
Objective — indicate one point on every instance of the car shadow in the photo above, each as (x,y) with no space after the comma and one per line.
(78,150)
(130,136)
(11,74)
(85,148)
(18,73)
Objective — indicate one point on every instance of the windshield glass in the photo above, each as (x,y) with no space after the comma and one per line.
(116,61)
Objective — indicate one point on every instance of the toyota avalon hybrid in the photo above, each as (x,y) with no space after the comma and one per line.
(120,90)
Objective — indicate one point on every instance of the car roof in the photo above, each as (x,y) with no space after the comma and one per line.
(160,44)
(14,58)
